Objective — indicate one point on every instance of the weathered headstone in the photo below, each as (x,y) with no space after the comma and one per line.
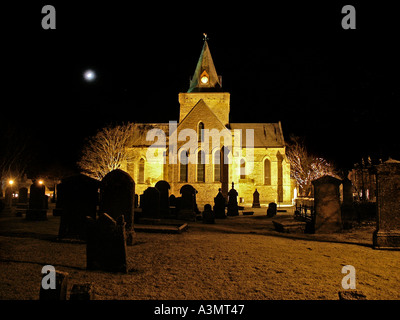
(187,205)
(23,196)
(272,210)
(163,188)
(37,203)
(60,291)
(80,198)
(233,208)
(82,292)
(387,233)
(327,205)
(151,203)
(208,215)
(256,199)
(106,244)
(219,205)
(117,192)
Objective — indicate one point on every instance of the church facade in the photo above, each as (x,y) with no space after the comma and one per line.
(204,149)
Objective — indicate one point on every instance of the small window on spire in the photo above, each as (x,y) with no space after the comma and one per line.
(204,77)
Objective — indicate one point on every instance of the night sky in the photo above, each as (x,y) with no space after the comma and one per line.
(340,89)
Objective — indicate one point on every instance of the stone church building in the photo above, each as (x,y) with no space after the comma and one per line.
(261,163)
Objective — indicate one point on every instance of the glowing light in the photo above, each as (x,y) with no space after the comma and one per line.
(11,182)
(204,79)
(89,75)
(40,181)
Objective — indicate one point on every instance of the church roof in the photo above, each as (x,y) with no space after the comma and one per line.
(267,135)
(205,68)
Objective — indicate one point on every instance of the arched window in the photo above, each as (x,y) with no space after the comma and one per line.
(183,166)
(200,132)
(217,166)
(242,169)
(141,171)
(201,166)
(267,172)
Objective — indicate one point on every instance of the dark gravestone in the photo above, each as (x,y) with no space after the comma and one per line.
(60,291)
(272,210)
(8,197)
(233,209)
(187,204)
(57,211)
(82,292)
(117,192)
(256,199)
(208,215)
(151,203)
(80,198)
(387,233)
(106,244)
(163,188)
(23,196)
(328,217)
(219,206)
(37,203)
(173,206)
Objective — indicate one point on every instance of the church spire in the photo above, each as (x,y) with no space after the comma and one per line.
(205,76)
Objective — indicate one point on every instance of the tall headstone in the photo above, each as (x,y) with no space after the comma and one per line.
(79,199)
(219,205)
(37,202)
(57,211)
(106,244)
(233,208)
(117,198)
(187,203)
(256,199)
(151,203)
(328,217)
(163,188)
(23,196)
(60,291)
(387,233)
(272,210)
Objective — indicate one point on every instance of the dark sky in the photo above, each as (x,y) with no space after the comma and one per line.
(340,89)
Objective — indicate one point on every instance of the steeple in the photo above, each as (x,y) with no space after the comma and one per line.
(205,78)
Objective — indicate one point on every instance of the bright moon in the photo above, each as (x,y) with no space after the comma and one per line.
(89,75)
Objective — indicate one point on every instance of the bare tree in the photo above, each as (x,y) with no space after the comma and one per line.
(306,167)
(107,150)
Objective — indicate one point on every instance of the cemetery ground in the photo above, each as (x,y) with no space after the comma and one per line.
(240,257)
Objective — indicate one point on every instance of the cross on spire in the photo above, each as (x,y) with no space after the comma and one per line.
(205,38)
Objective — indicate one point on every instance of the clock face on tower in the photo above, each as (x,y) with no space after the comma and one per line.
(204,77)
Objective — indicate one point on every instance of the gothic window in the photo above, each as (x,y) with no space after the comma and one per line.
(267,172)
(242,169)
(217,166)
(183,166)
(200,132)
(201,166)
(141,171)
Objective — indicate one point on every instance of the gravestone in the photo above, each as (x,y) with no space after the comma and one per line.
(327,205)
(208,215)
(233,208)
(187,203)
(60,292)
(106,244)
(79,199)
(387,233)
(82,292)
(57,211)
(151,203)
(23,196)
(219,205)
(173,205)
(37,203)
(163,188)
(8,196)
(117,195)
(272,210)
(256,199)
